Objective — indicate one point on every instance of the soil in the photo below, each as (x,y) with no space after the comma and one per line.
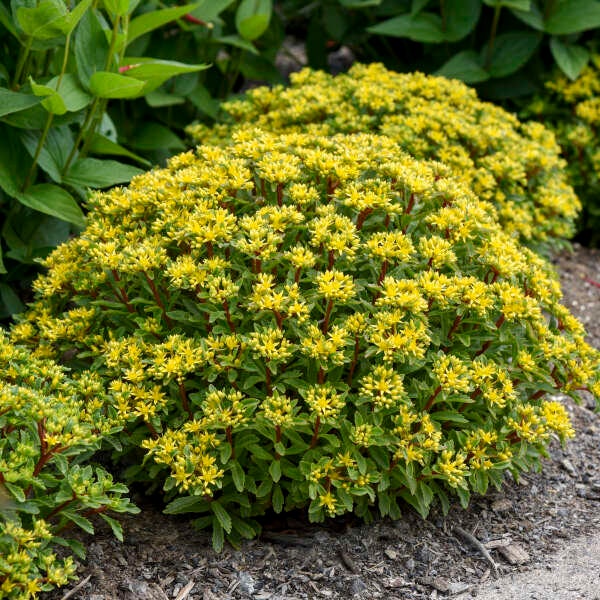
(508,534)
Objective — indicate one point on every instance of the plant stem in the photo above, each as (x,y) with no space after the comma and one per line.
(493,31)
(23,56)
(315,437)
(37,153)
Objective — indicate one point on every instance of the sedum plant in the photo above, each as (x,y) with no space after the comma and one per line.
(512,164)
(296,321)
(50,425)
(573,108)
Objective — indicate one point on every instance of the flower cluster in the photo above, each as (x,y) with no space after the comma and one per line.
(573,108)
(47,423)
(514,165)
(347,327)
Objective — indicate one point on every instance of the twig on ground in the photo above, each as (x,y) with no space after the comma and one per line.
(72,592)
(185,592)
(465,535)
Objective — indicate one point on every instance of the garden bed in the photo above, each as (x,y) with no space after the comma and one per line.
(525,522)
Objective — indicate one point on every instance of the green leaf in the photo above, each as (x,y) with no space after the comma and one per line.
(155,71)
(221,514)
(117,7)
(466,66)
(417,6)
(116,527)
(573,16)
(11,302)
(53,200)
(11,102)
(79,520)
(252,18)
(186,504)
(511,51)
(516,4)
(100,144)
(90,47)
(534,17)
(96,173)
(218,536)
(362,3)
(42,22)
(152,136)
(52,102)
(73,95)
(209,10)
(238,476)
(54,152)
(6,20)
(275,471)
(236,41)
(571,59)
(277,499)
(243,528)
(112,85)
(17,493)
(71,19)
(153,20)
(422,27)
(461,18)
(160,98)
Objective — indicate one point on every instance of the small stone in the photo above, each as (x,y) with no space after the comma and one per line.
(358,586)
(390,553)
(457,587)
(514,554)
(438,583)
(247,583)
(410,564)
(501,505)
(96,597)
(567,465)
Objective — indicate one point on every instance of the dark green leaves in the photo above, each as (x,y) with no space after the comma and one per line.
(465,66)
(11,102)
(153,20)
(571,58)
(422,27)
(53,200)
(573,16)
(95,173)
(511,51)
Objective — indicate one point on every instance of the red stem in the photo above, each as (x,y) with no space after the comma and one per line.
(184,400)
(327,316)
(432,398)
(315,437)
(354,360)
(228,316)
(158,300)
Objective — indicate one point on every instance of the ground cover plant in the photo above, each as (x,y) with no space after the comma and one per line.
(50,426)
(572,109)
(514,165)
(297,321)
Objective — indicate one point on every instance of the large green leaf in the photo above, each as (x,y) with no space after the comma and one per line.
(102,145)
(153,136)
(53,200)
(96,173)
(511,51)
(422,27)
(153,20)
(533,17)
(516,4)
(14,161)
(6,20)
(155,71)
(54,152)
(112,85)
(186,504)
(11,102)
(252,18)
(71,19)
(461,18)
(209,10)
(466,66)
(90,46)
(571,58)
(222,515)
(573,16)
(73,95)
(44,21)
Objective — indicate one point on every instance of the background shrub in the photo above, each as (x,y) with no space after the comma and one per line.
(515,165)
(50,426)
(572,109)
(321,322)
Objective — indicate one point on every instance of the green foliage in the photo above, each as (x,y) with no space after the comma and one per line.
(572,108)
(50,426)
(514,165)
(65,70)
(476,41)
(297,321)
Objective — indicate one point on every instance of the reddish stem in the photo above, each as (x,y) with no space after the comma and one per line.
(228,316)
(184,400)
(592,282)
(331,260)
(124,297)
(362,217)
(280,194)
(354,360)
(432,398)
(158,300)
(327,316)
(383,272)
(315,437)
(268,380)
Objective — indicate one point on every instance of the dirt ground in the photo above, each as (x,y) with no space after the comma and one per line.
(521,536)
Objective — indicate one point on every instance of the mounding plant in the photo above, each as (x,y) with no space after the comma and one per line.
(514,165)
(296,321)
(573,110)
(50,426)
